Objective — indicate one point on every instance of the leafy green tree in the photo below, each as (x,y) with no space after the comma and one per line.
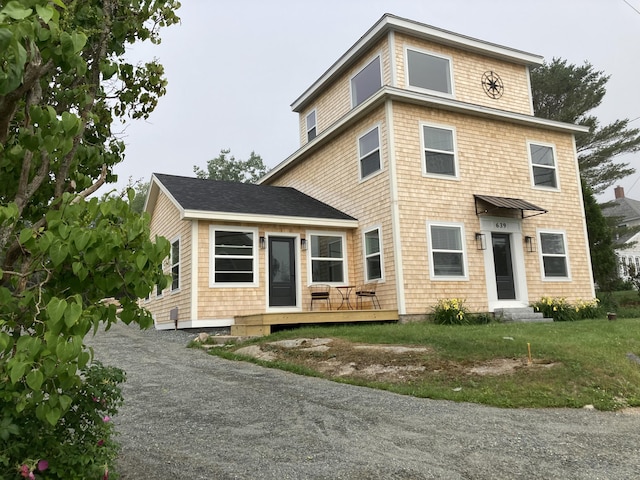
(63,82)
(601,247)
(225,167)
(568,93)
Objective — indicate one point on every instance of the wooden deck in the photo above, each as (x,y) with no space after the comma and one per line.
(260,324)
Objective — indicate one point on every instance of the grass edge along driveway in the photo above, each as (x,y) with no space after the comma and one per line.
(587,362)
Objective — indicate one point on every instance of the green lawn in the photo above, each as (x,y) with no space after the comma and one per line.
(589,357)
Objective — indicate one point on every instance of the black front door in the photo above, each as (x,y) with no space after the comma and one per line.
(503,266)
(282,272)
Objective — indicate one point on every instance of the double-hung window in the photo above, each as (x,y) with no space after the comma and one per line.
(372,255)
(311,126)
(439,151)
(327,258)
(369,152)
(175,265)
(446,251)
(366,82)
(429,71)
(543,165)
(553,251)
(234,257)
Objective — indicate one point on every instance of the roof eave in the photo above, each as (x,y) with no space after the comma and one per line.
(267,219)
(389,23)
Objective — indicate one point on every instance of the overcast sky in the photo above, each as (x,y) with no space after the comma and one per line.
(235,66)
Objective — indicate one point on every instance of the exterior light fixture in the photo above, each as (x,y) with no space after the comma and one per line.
(530,243)
(481,241)
(303,244)
(263,243)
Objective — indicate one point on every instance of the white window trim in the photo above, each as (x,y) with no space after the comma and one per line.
(345,260)
(377,56)
(212,256)
(171,265)
(315,125)
(465,265)
(360,157)
(364,254)
(555,169)
(566,255)
(423,147)
(408,86)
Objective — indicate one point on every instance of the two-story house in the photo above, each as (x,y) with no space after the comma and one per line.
(626,213)
(421,168)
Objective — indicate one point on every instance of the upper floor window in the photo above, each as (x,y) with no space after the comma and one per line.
(175,264)
(366,82)
(327,258)
(543,165)
(369,152)
(439,151)
(311,126)
(234,256)
(372,255)
(447,252)
(429,71)
(554,255)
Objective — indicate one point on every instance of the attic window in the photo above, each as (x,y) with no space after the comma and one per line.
(311,126)
(366,82)
(429,71)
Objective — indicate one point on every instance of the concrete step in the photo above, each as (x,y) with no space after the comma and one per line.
(521,315)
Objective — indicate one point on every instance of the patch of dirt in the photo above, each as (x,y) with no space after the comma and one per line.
(387,363)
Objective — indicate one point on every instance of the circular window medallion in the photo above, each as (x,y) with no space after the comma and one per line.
(492,84)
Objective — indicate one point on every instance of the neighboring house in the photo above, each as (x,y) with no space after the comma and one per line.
(421,168)
(626,212)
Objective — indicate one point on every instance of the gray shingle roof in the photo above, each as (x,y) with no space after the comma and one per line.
(244,198)
(626,209)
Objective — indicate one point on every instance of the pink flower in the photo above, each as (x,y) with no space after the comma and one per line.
(43,465)
(106,473)
(24,470)
(31,476)
(100,442)
(106,418)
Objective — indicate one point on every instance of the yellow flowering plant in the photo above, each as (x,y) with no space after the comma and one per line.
(450,311)
(561,310)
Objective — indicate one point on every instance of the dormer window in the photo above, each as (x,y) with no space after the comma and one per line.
(428,71)
(366,82)
(311,126)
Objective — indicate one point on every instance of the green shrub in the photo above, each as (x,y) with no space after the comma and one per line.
(557,308)
(588,309)
(450,311)
(79,446)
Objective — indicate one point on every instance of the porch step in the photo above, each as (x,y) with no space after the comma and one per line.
(521,315)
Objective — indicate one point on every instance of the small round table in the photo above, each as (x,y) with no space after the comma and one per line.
(345,292)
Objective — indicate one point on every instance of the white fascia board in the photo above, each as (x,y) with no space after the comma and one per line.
(479,110)
(270,219)
(392,23)
(464,42)
(148,204)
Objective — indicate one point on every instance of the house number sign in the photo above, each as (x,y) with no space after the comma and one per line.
(502,225)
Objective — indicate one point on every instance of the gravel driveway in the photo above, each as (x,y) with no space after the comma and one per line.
(189,415)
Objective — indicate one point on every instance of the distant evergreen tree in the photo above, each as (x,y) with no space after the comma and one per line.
(567,93)
(601,247)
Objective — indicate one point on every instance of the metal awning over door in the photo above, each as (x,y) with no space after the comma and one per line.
(491,204)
